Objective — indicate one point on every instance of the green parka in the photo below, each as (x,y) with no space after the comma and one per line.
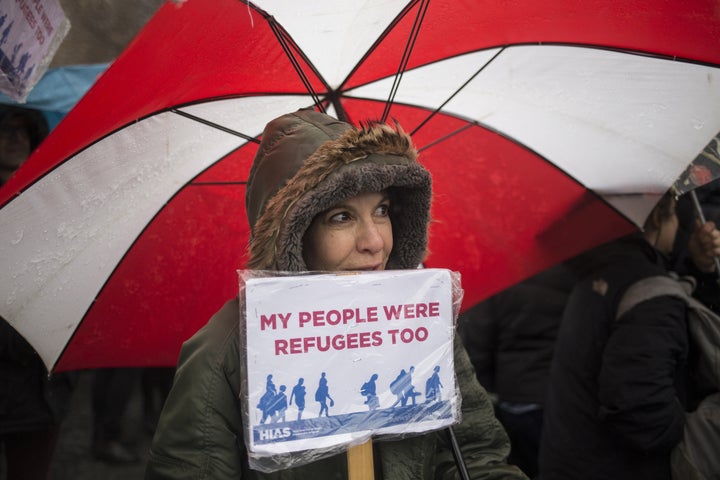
(306,163)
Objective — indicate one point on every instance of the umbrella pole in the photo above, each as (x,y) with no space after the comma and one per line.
(457,453)
(360,462)
(701,216)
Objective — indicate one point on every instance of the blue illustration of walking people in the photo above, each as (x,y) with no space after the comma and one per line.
(433,386)
(322,395)
(267,400)
(369,391)
(396,387)
(298,393)
(279,405)
(409,392)
(403,388)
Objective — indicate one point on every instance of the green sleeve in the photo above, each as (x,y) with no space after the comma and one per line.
(199,432)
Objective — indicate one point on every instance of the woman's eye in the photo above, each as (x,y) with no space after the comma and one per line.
(339,217)
(383,210)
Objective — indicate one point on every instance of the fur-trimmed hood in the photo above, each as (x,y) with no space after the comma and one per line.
(307,162)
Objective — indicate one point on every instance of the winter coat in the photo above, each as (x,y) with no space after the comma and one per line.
(510,337)
(615,403)
(306,163)
(29,400)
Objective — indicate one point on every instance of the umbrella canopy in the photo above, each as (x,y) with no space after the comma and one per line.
(704,169)
(549,127)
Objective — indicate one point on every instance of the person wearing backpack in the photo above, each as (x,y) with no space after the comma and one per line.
(616,401)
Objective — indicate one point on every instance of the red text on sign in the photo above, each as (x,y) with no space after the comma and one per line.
(320,318)
(325,343)
(407,335)
(412,310)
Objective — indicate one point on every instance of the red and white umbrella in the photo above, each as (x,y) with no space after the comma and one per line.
(549,127)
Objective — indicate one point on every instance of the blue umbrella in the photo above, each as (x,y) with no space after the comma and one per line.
(57,92)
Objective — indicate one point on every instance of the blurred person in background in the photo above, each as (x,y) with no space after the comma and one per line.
(510,338)
(32,405)
(619,388)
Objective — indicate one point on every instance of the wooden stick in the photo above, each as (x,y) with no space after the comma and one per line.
(360,462)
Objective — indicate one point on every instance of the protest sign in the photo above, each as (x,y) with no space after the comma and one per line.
(30,33)
(331,360)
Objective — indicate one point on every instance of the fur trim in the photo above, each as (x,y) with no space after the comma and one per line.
(374,158)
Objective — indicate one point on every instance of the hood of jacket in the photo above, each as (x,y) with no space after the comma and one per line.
(307,162)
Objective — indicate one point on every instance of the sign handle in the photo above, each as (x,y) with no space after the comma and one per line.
(360,462)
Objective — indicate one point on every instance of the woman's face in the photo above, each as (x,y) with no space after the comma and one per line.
(667,234)
(14,144)
(355,234)
(663,238)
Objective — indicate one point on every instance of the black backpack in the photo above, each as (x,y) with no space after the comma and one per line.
(696,456)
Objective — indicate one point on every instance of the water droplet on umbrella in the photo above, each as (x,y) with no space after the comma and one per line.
(697,124)
(18,237)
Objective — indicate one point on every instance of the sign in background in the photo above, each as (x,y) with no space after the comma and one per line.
(30,33)
(335,358)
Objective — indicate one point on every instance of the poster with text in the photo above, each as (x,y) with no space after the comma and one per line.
(30,33)
(333,358)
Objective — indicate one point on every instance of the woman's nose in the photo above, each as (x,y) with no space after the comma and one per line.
(370,237)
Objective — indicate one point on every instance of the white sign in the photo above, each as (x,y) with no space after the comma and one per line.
(331,359)
(30,33)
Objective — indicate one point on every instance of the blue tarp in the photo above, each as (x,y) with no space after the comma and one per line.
(57,92)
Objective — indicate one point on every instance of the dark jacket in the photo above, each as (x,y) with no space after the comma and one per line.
(306,163)
(614,408)
(510,337)
(29,400)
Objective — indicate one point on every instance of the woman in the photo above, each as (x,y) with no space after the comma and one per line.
(321,195)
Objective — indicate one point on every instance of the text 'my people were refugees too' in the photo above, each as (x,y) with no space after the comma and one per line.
(348,316)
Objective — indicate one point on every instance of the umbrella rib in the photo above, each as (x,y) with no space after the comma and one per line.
(215,125)
(406,57)
(283,40)
(451,134)
(210,184)
(411,4)
(467,82)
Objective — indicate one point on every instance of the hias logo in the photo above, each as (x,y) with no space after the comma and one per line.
(275,433)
